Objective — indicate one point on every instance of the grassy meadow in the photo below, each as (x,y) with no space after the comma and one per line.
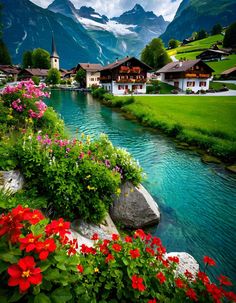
(207,122)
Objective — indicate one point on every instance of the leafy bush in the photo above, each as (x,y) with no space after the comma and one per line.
(99,92)
(79,176)
(36,80)
(41,262)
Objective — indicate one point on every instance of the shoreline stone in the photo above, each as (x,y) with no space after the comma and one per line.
(11,181)
(210,159)
(135,207)
(231,168)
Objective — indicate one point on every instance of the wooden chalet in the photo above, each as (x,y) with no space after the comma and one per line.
(212,55)
(125,75)
(9,71)
(92,73)
(229,73)
(28,73)
(192,74)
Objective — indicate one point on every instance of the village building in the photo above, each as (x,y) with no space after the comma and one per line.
(194,75)
(9,71)
(229,73)
(124,76)
(54,58)
(28,73)
(92,72)
(212,55)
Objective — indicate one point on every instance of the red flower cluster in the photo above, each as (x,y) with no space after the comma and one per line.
(109,258)
(137,283)
(161,277)
(209,261)
(87,250)
(117,247)
(59,227)
(134,253)
(24,273)
(191,294)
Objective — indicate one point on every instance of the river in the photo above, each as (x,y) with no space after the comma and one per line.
(197,201)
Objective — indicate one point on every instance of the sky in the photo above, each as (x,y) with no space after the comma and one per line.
(114,8)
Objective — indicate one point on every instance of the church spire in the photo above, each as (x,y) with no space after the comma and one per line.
(54,55)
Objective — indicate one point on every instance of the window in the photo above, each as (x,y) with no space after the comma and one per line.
(140,87)
(121,87)
(202,83)
(91,79)
(190,83)
(176,84)
(126,86)
(55,60)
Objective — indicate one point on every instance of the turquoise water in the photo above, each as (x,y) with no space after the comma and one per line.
(198,201)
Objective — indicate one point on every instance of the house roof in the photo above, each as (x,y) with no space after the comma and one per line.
(121,61)
(90,67)
(9,69)
(180,66)
(229,71)
(215,51)
(35,71)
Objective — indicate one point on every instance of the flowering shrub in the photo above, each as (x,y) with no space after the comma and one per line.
(40,262)
(78,175)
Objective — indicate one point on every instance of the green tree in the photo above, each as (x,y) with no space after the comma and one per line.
(5,57)
(154,54)
(40,58)
(54,76)
(202,34)
(36,80)
(80,77)
(27,59)
(216,29)
(230,36)
(173,43)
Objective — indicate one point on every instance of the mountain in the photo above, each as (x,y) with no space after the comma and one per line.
(64,7)
(27,26)
(147,24)
(89,13)
(193,15)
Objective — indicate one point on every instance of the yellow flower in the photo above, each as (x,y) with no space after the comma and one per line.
(91,187)
(9,117)
(118,191)
(96,269)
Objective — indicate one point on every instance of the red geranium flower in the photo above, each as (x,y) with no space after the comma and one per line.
(191,294)
(161,277)
(117,247)
(115,237)
(152,301)
(209,261)
(139,233)
(215,291)
(150,251)
(173,259)
(95,237)
(103,249)
(19,211)
(11,226)
(73,247)
(46,247)
(109,258)
(24,273)
(58,227)
(80,268)
(33,216)
(128,239)
(188,274)
(156,241)
(87,250)
(179,283)
(29,242)
(137,283)
(203,277)
(134,253)
(225,280)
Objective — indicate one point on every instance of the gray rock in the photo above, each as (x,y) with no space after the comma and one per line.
(87,230)
(135,207)
(11,181)
(186,262)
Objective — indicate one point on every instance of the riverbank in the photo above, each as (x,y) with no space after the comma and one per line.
(206,123)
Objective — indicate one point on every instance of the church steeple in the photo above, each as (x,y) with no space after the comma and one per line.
(54,55)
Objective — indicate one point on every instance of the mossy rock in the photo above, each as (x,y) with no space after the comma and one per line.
(182,145)
(210,159)
(232,168)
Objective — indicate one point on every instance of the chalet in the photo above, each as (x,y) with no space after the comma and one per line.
(9,71)
(125,75)
(212,55)
(192,74)
(229,73)
(92,73)
(28,73)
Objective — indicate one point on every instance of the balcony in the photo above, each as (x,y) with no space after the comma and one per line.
(197,75)
(130,70)
(144,80)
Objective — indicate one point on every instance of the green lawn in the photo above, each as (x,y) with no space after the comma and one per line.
(219,85)
(208,122)
(188,56)
(220,66)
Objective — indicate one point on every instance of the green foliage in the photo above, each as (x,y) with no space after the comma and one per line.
(154,54)
(36,80)
(80,77)
(216,29)
(8,159)
(41,58)
(79,176)
(99,92)
(53,77)
(173,43)
(219,85)
(202,34)
(230,36)
(4,53)
(27,61)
